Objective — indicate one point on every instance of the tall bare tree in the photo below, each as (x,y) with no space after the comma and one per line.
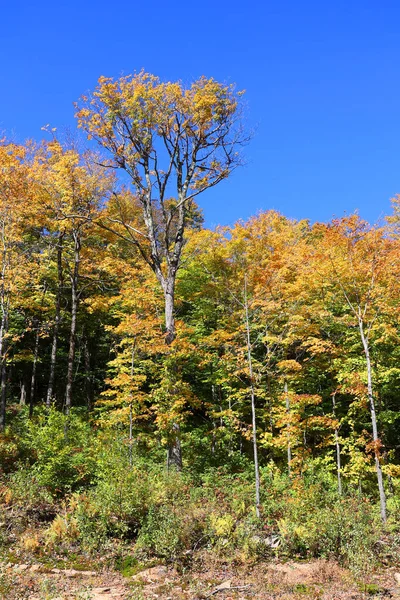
(174,143)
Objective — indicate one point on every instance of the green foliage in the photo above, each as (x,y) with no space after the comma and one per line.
(127,565)
(164,533)
(23,488)
(63,451)
(346,529)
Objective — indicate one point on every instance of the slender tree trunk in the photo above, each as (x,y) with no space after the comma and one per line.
(4,306)
(34,368)
(130,435)
(3,396)
(253,403)
(382,495)
(3,368)
(174,454)
(53,358)
(230,437)
(289,448)
(213,437)
(174,457)
(337,445)
(169,296)
(3,359)
(22,397)
(130,411)
(88,375)
(221,421)
(74,313)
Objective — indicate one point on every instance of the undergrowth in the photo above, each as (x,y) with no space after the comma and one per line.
(74,493)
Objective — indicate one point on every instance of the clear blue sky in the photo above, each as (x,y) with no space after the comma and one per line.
(322,81)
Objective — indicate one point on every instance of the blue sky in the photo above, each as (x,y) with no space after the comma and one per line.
(322,81)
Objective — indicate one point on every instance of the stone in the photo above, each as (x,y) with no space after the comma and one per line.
(73,572)
(153,574)
(225,585)
(35,568)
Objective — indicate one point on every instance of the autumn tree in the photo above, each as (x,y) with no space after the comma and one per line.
(16,201)
(74,188)
(359,264)
(174,143)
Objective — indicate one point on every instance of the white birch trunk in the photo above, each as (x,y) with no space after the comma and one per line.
(337,446)
(382,495)
(253,404)
(53,357)
(74,316)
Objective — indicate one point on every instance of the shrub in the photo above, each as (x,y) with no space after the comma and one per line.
(314,524)
(64,451)
(23,488)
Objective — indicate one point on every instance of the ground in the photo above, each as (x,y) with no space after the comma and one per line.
(317,580)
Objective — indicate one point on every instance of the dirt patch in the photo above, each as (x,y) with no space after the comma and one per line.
(314,572)
(318,580)
(23,582)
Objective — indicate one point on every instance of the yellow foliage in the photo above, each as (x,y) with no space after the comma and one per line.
(30,541)
(64,527)
(222,526)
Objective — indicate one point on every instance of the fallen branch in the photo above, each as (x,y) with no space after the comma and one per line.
(222,589)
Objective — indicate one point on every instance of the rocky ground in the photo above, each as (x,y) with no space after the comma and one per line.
(318,580)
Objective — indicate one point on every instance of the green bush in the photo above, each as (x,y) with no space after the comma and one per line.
(63,451)
(123,497)
(23,488)
(162,533)
(317,523)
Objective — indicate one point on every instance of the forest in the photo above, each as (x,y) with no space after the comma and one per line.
(168,391)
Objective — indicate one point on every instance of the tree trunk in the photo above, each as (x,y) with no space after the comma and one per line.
(34,368)
(3,367)
(88,375)
(4,305)
(3,360)
(130,410)
(72,335)
(338,460)
(253,403)
(214,437)
(22,398)
(3,396)
(382,495)
(169,296)
(130,435)
(174,454)
(53,358)
(289,449)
